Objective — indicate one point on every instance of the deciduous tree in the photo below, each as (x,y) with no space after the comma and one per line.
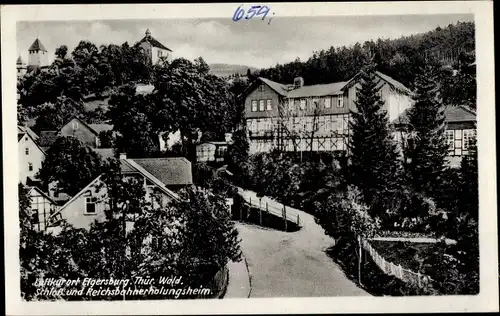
(71,164)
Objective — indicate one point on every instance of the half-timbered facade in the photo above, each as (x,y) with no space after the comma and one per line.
(311,118)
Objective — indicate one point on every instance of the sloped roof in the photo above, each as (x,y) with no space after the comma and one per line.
(391,81)
(101,127)
(21,132)
(41,193)
(170,171)
(317,90)
(396,84)
(278,87)
(130,164)
(19,61)
(37,45)
(452,114)
(153,42)
(26,129)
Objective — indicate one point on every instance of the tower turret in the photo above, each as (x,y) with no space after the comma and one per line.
(38,56)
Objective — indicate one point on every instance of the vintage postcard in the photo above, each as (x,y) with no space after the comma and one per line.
(249,158)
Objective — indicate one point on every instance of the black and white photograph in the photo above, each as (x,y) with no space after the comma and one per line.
(180,154)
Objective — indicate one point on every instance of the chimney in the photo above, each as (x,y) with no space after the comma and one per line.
(298,82)
(123,156)
(228,137)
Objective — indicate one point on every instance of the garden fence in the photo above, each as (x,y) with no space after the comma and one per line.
(397,271)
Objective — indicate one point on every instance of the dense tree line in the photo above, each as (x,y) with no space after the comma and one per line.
(399,58)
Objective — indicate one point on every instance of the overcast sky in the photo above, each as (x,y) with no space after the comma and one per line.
(247,42)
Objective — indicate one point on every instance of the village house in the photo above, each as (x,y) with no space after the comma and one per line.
(460,130)
(88,134)
(31,154)
(298,117)
(42,208)
(161,178)
(213,150)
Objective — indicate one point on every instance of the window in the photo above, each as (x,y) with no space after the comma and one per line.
(90,205)
(75,125)
(261,88)
(340,101)
(450,139)
(315,102)
(291,105)
(34,217)
(159,53)
(27,151)
(303,104)
(469,135)
(268,105)
(30,166)
(327,103)
(261,105)
(254,106)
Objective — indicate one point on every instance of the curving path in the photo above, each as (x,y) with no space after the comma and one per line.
(292,264)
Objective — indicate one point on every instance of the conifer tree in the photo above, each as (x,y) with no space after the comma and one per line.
(375,166)
(426,165)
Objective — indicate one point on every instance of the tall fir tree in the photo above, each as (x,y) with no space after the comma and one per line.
(426,157)
(374,160)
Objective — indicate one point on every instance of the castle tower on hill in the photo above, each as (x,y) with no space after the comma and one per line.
(153,48)
(21,67)
(38,56)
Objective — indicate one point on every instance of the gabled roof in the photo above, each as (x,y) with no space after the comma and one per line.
(26,129)
(45,195)
(20,136)
(130,166)
(170,171)
(317,90)
(37,45)
(396,85)
(77,195)
(150,39)
(19,61)
(127,166)
(279,88)
(453,114)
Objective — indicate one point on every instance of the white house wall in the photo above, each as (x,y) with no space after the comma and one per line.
(35,157)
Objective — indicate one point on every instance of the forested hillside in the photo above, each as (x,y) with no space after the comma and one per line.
(399,58)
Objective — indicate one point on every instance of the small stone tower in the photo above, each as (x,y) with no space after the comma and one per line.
(21,67)
(38,56)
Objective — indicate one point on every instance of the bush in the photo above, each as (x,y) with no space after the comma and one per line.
(345,215)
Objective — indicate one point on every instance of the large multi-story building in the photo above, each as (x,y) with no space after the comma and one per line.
(316,118)
(311,118)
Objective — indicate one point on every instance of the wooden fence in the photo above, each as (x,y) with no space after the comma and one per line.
(397,271)
(276,211)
